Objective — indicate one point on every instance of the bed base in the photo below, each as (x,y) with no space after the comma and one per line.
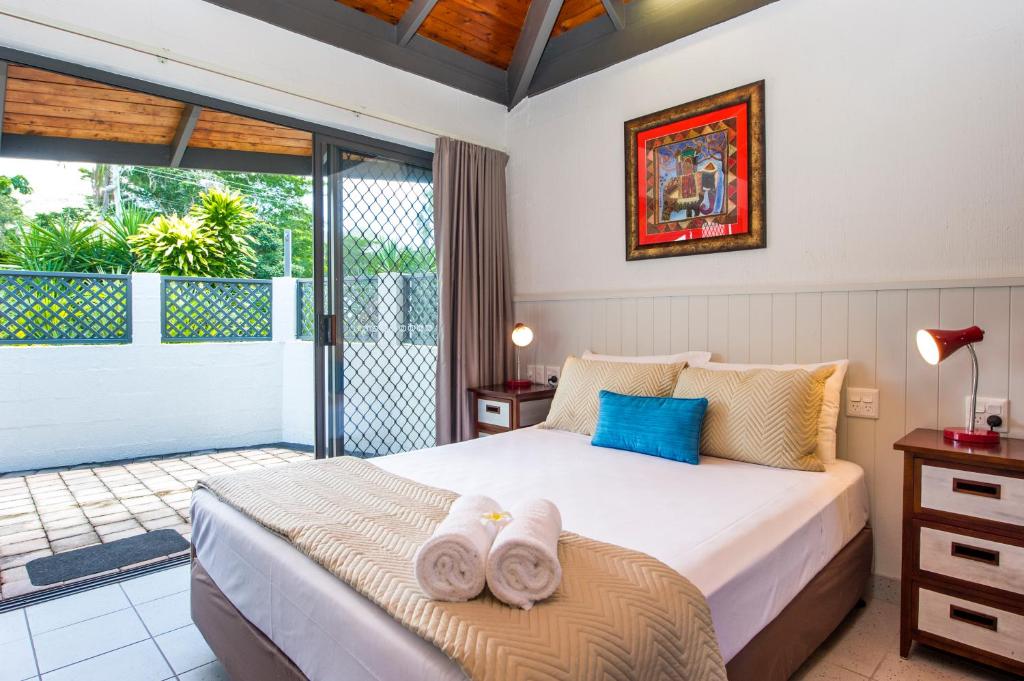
(773,655)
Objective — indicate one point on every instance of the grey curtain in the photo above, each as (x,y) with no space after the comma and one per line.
(475,307)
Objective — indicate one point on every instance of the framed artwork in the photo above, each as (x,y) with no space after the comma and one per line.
(695,177)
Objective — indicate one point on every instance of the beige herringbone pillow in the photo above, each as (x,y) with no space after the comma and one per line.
(762,416)
(576,401)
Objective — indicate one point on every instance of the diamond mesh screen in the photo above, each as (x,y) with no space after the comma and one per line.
(207,309)
(390,306)
(59,307)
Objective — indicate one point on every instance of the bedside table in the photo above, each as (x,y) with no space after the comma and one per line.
(500,409)
(963,548)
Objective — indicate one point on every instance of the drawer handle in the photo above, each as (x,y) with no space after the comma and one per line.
(978,619)
(492,409)
(975,553)
(989,490)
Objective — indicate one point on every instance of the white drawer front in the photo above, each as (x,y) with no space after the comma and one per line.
(979,495)
(973,624)
(974,560)
(494,413)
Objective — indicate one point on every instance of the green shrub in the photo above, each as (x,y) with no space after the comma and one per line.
(180,247)
(227,216)
(117,228)
(60,244)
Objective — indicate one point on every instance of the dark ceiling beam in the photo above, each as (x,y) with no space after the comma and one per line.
(616,11)
(533,38)
(339,25)
(186,126)
(649,24)
(412,19)
(131,153)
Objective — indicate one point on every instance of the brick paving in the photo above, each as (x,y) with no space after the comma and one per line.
(48,512)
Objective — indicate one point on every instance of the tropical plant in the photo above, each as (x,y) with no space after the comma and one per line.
(59,245)
(117,228)
(179,246)
(226,215)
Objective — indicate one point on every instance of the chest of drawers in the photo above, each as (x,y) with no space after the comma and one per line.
(963,548)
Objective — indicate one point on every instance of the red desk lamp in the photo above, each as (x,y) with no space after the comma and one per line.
(522,335)
(936,345)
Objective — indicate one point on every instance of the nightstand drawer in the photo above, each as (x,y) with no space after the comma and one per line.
(972,559)
(494,413)
(979,626)
(999,498)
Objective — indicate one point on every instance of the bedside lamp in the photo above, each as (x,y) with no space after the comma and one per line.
(522,335)
(936,345)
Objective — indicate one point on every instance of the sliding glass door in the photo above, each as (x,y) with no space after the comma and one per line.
(376,301)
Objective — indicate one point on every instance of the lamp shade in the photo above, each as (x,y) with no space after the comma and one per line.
(936,345)
(522,335)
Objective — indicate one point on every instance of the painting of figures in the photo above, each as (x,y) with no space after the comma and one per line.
(695,177)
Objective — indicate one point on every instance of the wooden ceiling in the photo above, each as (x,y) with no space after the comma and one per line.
(43,104)
(501,50)
(487,30)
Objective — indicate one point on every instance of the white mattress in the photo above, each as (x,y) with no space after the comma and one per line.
(749,537)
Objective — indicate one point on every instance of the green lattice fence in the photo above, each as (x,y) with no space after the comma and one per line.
(421,308)
(64,308)
(360,309)
(205,309)
(304,321)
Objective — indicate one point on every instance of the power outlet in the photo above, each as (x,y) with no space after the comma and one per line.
(988,406)
(862,403)
(552,371)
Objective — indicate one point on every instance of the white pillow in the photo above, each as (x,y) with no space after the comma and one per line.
(830,401)
(691,357)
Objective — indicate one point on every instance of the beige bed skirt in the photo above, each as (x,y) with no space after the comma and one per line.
(773,655)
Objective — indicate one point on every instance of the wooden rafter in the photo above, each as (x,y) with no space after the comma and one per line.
(540,20)
(413,18)
(183,135)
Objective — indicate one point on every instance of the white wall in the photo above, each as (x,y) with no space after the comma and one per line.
(892,150)
(892,157)
(202,48)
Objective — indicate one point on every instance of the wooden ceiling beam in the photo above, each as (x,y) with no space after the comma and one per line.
(413,18)
(540,20)
(187,125)
(648,24)
(339,25)
(616,10)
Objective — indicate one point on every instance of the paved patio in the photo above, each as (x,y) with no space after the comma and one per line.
(47,512)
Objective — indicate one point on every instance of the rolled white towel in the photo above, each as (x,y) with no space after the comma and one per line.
(523,566)
(451,565)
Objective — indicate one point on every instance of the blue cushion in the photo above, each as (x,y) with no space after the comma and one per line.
(667,427)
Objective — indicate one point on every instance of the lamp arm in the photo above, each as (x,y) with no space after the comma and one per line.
(974,388)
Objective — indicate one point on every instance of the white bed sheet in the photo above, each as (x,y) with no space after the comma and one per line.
(749,537)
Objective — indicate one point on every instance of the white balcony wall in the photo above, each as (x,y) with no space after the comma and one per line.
(73,404)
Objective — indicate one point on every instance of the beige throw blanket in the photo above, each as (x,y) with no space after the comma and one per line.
(618,614)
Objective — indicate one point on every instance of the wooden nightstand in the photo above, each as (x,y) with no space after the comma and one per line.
(500,409)
(963,548)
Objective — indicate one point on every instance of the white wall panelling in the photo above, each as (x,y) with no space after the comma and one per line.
(874,329)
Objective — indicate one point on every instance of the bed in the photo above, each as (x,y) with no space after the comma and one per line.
(780,555)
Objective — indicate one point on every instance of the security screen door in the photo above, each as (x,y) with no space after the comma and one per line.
(376,290)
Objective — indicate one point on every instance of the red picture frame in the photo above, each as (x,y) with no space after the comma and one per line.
(695,177)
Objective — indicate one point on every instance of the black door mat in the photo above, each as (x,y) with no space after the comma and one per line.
(104,557)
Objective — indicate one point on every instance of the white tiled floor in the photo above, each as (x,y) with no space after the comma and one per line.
(141,630)
(138,630)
